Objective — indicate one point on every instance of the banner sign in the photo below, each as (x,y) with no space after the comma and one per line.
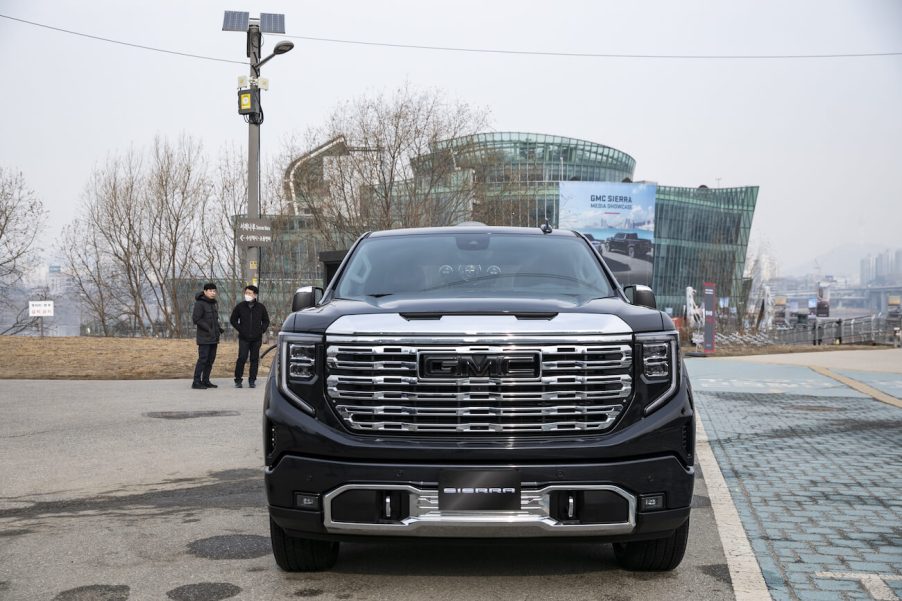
(40,308)
(253,232)
(710,316)
(619,220)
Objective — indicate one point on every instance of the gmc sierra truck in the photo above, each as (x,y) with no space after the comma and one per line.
(478,382)
(628,244)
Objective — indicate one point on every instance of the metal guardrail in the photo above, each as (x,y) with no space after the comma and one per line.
(871,329)
(857,330)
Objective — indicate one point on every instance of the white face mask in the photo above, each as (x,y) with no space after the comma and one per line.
(248,297)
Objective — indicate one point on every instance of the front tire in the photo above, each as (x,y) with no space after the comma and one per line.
(657,555)
(295,554)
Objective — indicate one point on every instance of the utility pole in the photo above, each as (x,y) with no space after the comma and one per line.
(252,258)
(250,106)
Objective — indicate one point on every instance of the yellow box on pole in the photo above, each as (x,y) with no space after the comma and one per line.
(248,101)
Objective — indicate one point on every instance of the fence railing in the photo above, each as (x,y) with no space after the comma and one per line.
(858,330)
(872,329)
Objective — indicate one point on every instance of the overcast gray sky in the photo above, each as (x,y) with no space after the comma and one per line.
(821,137)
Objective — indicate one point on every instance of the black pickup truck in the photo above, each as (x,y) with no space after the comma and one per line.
(629,244)
(473,383)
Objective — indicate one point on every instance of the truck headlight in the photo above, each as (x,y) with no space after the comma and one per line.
(659,358)
(656,359)
(298,366)
(301,361)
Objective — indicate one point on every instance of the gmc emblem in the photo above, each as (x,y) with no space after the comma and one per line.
(506,365)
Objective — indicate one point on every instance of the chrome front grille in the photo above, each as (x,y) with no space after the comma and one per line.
(580,387)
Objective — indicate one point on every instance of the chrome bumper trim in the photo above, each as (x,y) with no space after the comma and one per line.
(532,520)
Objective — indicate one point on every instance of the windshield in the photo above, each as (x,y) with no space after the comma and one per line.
(473,265)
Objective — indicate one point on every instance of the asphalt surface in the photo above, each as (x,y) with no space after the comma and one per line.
(150,490)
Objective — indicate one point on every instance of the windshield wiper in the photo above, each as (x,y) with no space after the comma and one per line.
(380,294)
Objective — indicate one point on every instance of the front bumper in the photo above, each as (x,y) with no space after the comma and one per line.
(315,459)
(414,490)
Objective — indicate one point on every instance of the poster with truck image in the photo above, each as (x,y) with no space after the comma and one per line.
(619,219)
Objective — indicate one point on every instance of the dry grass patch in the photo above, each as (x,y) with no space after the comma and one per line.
(88,358)
(778,349)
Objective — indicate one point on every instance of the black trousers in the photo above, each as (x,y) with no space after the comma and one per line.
(248,348)
(206,355)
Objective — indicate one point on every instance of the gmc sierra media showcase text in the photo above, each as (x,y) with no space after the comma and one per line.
(478,382)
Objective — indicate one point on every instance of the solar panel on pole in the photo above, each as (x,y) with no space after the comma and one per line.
(272,23)
(235,21)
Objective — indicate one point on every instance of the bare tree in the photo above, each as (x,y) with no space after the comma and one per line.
(21,323)
(138,246)
(219,257)
(22,218)
(93,275)
(115,211)
(175,199)
(387,166)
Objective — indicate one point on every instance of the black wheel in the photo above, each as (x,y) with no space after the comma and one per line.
(301,554)
(631,251)
(657,555)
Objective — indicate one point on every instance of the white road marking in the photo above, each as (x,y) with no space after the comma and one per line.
(748,583)
(875,584)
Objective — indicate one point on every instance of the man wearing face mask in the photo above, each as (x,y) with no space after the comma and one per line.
(206,317)
(251,320)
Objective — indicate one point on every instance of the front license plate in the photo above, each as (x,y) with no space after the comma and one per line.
(479,490)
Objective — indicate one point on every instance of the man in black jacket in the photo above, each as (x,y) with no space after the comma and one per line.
(251,320)
(206,317)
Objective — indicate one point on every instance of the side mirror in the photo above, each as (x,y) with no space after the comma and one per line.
(306,296)
(641,296)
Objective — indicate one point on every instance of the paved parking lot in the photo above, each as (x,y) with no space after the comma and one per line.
(149,490)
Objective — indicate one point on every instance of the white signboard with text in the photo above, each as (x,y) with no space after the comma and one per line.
(40,308)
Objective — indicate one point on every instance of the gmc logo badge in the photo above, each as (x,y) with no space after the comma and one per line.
(507,365)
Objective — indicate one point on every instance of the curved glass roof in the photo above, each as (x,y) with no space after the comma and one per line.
(541,148)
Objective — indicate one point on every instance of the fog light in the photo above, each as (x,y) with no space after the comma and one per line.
(306,501)
(652,502)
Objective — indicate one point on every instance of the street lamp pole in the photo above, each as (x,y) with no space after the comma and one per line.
(252,259)
(250,106)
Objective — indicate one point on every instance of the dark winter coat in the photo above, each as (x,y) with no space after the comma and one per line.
(206,317)
(250,319)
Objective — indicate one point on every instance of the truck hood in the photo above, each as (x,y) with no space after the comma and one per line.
(542,313)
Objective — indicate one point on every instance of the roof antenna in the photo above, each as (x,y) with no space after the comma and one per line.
(546,227)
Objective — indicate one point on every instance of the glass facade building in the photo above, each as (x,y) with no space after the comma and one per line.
(519,172)
(701,235)
(513,178)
